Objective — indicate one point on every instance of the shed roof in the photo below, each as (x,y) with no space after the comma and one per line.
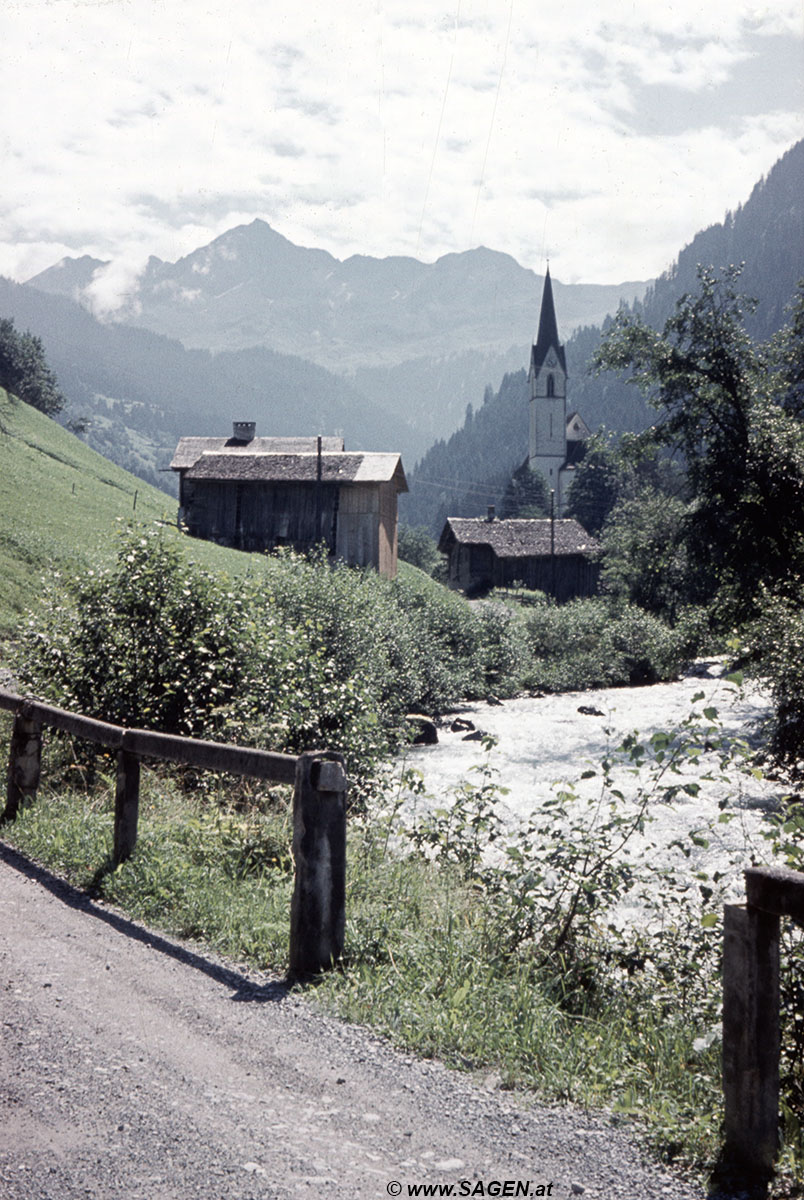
(259,467)
(190,449)
(518,537)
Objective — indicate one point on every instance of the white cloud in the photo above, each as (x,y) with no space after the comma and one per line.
(377,126)
(113,287)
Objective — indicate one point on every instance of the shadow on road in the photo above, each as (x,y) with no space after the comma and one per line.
(243,988)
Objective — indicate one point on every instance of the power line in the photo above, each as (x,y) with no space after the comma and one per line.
(454,485)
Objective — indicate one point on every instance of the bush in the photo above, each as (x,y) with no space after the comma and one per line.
(776,643)
(416,645)
(646,649)
(301,655)
(156,642)
(590,643)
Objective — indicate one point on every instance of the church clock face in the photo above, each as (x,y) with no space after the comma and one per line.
(551,359)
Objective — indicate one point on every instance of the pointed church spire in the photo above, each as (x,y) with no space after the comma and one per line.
(548,327)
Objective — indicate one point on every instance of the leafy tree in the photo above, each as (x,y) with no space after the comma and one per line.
(721,400)
(597,484)
(525,494)
(644,556)
(614,469)
(24,370)
(788,356)
(418,548)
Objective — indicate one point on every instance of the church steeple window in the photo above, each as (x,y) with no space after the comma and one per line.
(551,385)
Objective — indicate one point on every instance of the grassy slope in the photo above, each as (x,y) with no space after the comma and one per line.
(61,505)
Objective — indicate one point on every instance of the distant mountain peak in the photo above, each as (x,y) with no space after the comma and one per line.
(69,276)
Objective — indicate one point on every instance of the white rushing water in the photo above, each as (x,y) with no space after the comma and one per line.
(546,741)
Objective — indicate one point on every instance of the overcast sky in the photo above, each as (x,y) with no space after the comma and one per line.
(601,133)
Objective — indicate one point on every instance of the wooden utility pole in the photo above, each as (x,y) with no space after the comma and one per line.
(319,472)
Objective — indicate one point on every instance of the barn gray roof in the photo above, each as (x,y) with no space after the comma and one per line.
(518,537)
(190,449)
(246,465)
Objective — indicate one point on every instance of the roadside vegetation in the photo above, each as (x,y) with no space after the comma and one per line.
(498,949)
(501,951)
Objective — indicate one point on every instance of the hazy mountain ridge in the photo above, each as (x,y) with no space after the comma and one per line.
(141,392)
(251,286)
(422,339)
(460,476)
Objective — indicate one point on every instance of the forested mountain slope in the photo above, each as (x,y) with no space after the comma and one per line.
(140,392)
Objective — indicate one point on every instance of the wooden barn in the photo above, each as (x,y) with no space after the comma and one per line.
(553,556)
(258,493)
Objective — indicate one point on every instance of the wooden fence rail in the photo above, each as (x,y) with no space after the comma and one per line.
(317,914)
(751,1023)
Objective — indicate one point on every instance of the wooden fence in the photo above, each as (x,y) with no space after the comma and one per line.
(751,1024)
(317,912)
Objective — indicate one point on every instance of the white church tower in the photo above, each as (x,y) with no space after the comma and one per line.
(548,402)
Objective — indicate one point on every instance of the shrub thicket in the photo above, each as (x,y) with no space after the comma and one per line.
(775,641)
(591,643)
(299,655)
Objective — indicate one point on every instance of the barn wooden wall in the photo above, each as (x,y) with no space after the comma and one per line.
(259,516)
(358,521)
(473,568)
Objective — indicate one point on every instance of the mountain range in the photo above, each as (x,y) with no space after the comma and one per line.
(391,353)
(137,392)
(252,287)
(416,340)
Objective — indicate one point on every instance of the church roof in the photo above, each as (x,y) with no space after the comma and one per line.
(547,336)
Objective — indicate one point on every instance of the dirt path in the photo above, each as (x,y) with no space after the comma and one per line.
(132,1066)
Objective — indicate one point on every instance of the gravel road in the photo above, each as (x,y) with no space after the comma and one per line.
(133,1066)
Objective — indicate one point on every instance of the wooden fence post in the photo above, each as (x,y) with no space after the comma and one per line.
(126,805)
(751,1038)
(318,907)
(24,762)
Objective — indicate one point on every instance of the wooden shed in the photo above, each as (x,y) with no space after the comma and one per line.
(258,493)
(553,556)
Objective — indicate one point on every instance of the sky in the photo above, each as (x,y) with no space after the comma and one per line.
(598,134)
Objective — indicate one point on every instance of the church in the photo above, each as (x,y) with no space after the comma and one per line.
(556,437)
(553,555)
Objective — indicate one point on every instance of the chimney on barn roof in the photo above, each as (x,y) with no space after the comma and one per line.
(244,431)
(491,512)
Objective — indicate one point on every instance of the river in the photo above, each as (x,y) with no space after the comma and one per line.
(542,742)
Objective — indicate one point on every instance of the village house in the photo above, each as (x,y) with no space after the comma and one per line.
(259,493)
(553,556)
